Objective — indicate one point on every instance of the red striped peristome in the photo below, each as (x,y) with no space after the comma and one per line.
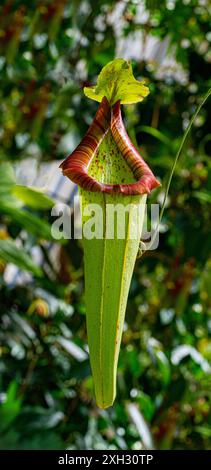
(75,166)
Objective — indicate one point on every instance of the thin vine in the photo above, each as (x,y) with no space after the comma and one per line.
(184,138)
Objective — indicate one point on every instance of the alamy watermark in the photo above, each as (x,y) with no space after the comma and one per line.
(114,221)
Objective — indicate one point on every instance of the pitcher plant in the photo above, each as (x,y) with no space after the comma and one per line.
(114,182)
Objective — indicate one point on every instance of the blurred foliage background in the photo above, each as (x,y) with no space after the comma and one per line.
(49,50)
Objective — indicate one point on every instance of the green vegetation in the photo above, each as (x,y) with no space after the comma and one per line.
(50,51)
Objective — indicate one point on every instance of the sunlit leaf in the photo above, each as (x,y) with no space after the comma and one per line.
(116,82)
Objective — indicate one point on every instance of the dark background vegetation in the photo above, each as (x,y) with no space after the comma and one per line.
(48,51)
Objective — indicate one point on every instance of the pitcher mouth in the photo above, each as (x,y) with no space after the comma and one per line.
(75,166)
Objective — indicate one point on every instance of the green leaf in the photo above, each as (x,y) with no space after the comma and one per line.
(109,264)
(163,366)
(146,404)
(8,198)
(157,134)
(33,224)
(10,253)
(33,197)
(116,82)
(203,196)
(10,409)
(179,151)
(7,177)
(160,359)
